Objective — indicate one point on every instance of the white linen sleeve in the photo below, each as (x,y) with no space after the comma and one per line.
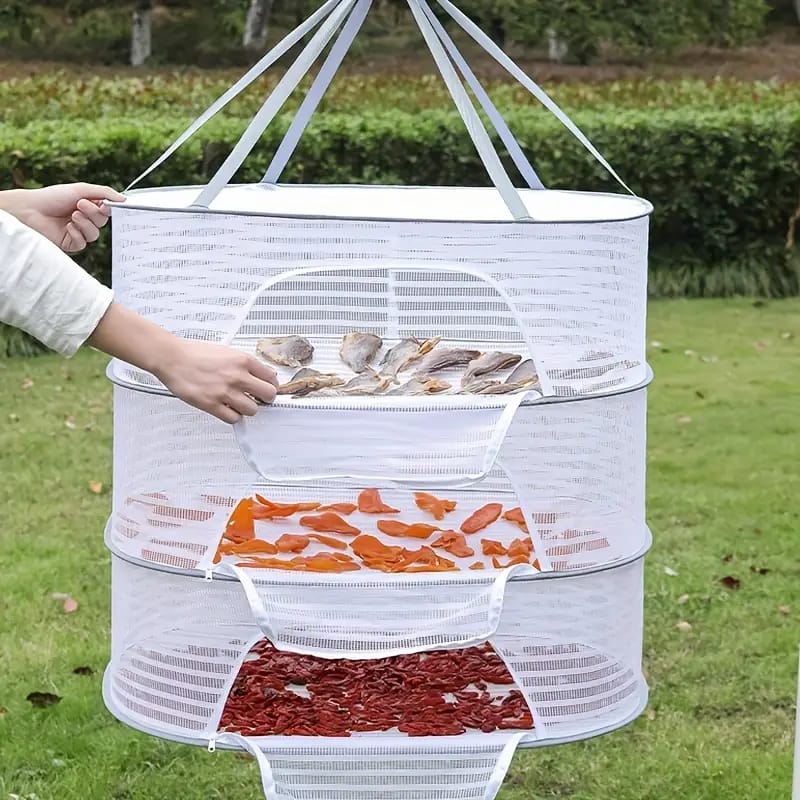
(44,292)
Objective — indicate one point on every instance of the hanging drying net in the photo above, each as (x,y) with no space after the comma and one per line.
(448,492)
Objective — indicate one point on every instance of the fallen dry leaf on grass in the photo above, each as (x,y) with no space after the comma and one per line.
(683,626)
(760,345)
(729,582)
(70,603)
(671,572)
(43,699)
(95,487)
(684,420)
(759,570)
(651,714)
(728,557)
(69,422)
(683,599)
(784,610)
(27,384)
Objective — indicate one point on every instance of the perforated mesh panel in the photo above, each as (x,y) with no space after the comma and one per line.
(573,295)
(575,468)
(573,645)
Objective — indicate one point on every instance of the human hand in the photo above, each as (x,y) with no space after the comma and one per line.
(216,379)
(69,215)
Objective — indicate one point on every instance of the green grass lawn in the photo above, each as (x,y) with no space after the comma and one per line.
(724,497)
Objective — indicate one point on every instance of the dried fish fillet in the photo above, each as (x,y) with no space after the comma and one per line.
(288,351)
(421,385)
(489,363)
(490,386)
(368,382)
(358,350)
(300,387)
(524,371)
(405,353)
(449,357)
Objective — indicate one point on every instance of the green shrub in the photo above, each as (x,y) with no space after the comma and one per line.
(724,183)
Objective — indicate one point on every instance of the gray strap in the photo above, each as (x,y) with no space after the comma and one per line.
(253,74)
(317,91)
(514,150)
(490,47)
(273,105)
(475,128)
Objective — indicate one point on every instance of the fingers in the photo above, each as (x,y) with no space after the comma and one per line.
(98,215)
(243,404)
(85,226)
(261,371)
(225,413)
(73,241)
(261,390)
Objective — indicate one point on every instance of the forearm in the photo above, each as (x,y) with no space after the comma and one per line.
(123,334)
(44,292)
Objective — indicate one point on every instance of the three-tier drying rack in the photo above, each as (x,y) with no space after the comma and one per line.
(555,276)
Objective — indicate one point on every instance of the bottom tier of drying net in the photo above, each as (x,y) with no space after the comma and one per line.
(191,663)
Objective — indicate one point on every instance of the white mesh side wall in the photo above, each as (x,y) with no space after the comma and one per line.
(574,645)
(577,289)
(469,767)
(577,469)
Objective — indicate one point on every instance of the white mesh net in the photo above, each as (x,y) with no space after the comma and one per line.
(573,645)
(571,295)
(576,469)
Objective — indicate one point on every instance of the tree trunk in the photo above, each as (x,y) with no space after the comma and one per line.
(557,48)
(797,9)
(257,24)
(141,32)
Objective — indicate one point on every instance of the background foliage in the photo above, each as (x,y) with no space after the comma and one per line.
(210,32)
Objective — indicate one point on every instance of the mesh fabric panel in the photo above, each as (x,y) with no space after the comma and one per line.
(571,294)
(573,645)
(576,469)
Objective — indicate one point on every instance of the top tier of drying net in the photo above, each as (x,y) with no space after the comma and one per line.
(555,276)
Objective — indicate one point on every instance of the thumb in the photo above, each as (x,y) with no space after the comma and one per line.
(93,191)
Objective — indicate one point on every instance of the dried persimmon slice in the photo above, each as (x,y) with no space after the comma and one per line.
(435,506)
(369,502)
(482,518)
(328,522)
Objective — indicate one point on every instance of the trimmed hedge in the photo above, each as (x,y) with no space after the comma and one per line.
(724,183)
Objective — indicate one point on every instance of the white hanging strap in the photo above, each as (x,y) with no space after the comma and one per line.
(252,75)
(504,132)
(490,47)
(317,91)
(273,105)
(475,127)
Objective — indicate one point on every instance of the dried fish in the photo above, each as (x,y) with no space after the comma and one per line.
(490,386)
(405,353)
(488,363)
(289,351)
(525,371)
(421,385)
(358,350)
(368,382)
(307,381)
(449,357)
